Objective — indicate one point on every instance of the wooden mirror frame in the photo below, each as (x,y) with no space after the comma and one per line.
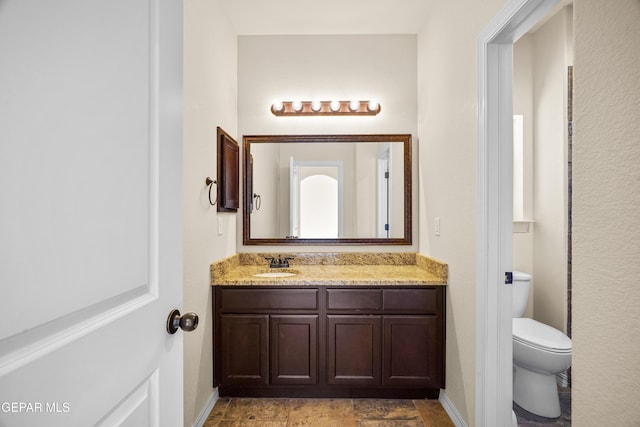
(248,190)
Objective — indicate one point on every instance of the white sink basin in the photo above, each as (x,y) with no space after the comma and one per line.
(275,274)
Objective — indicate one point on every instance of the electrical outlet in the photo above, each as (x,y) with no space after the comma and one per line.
(219,226)
(436,226)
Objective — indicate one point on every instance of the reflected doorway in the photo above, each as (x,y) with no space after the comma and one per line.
(316,199)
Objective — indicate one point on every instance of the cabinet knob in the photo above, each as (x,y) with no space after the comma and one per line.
(187,322)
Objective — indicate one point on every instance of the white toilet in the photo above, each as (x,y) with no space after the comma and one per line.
(539,353)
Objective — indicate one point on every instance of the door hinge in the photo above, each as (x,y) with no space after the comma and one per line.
(386,175)
(386,227)
(508,278)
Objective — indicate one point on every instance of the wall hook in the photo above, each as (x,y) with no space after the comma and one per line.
(210,183)
(258,201)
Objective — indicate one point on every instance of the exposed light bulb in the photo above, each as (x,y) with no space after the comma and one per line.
(335,105)
(316,106)
(373,106)
(296,105)
(277,106)
(354,105)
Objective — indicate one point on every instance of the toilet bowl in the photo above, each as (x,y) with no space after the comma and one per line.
(540,352)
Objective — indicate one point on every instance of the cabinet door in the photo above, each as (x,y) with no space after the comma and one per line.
(353,349)
(294,349)
(245,349)
(412,351)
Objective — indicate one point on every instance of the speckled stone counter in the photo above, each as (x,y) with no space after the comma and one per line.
(331,269)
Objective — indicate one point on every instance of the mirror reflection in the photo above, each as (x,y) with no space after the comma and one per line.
(337,189)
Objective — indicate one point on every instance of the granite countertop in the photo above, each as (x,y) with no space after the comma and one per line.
(316,270)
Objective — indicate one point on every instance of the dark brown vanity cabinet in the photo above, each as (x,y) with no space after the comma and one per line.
(246,360)
(285,345)
(329,341)
(294,349)
(353,350)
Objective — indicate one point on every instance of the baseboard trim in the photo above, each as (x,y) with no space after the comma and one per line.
(204,414)
(451,410)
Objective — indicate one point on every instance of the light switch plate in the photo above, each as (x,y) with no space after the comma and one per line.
(219,226)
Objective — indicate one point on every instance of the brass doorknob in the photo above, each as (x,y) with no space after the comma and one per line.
(187,322)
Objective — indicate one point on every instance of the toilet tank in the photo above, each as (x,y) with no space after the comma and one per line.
(521,284)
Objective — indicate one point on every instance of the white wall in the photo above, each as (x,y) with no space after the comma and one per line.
(380,67)
(523,67)
(447,128)
(540,94)
(606,201)
(210,87)
(552,55)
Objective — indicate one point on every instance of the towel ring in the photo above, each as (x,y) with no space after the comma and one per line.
(258,201)
(210,183)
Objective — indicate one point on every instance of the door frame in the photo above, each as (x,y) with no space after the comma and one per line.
(383,191)
(494,218)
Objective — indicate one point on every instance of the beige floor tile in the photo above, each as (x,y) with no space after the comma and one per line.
(252,423)
(254,412)
(432,413)
(217,412)
(257,409)
(382,409)
(321,413)
(389,423)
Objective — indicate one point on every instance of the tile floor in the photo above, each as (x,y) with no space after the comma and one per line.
(527,419)
(254,412)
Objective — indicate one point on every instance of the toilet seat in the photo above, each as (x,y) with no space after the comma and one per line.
(543,337)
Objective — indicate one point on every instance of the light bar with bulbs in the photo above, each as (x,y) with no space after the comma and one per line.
(325,108)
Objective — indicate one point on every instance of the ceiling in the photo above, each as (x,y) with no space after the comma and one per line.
(288,17)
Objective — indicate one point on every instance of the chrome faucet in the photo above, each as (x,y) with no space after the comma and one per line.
(279,262)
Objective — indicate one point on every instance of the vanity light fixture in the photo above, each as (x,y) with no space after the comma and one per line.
(278,106)
(325,108)
(316,106)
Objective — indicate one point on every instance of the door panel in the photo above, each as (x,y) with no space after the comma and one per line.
(354,349)
(245,349)
(90,259)
(133,410)
(294,349)
(412,350)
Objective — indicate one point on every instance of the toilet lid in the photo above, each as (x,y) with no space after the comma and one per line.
(540,335)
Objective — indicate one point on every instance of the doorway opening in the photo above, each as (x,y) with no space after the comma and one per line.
(494,355)
(316,199)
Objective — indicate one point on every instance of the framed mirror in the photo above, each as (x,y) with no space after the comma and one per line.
(327,190)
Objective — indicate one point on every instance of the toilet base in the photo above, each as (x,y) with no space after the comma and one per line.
(536,393)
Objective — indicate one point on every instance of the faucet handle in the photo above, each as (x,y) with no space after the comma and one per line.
(285,260)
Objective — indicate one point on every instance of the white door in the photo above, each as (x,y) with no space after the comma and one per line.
(90,205)
(383,190)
